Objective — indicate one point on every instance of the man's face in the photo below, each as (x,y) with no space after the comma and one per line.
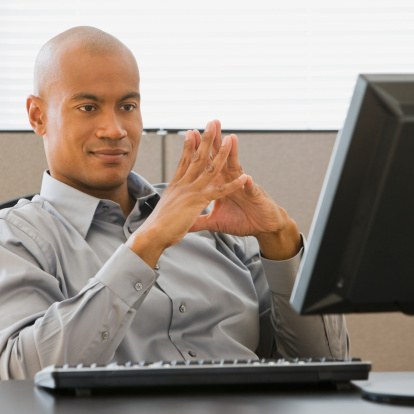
(93,121)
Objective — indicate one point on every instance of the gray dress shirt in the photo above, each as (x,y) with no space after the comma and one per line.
(72,292)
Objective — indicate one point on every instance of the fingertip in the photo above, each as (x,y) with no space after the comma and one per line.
(189,141)
(197,137)
(249,185)
(217,138)
(234,138)
(244,178)
(210,128)
(234,144)
(226,140)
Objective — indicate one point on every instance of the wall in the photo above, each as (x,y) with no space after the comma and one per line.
(290,167)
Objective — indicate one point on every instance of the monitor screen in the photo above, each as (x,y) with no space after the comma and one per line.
(360,253)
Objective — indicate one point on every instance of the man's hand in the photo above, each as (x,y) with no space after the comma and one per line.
(249,210)
(193,187)
(209,170)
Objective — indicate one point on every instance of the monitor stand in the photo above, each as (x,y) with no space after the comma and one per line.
(389,387)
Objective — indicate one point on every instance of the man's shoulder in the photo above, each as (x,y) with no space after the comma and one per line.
(21,207)
(30,216)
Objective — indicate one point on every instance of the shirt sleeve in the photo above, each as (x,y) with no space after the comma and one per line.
(297,335)
(40,325)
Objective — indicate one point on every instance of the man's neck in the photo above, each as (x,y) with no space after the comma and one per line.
(118,194)
(122,197)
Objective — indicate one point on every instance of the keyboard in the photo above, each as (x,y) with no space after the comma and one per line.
(192,373)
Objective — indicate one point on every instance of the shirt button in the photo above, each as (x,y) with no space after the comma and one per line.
(138,286)
(105,335)
(105,208)
(157,267)
(182,308)
(192,354)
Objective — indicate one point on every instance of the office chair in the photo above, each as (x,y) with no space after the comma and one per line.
(12,202)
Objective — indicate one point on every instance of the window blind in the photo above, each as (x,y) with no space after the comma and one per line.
(262,65)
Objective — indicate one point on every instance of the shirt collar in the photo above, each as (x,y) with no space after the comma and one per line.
(79,208)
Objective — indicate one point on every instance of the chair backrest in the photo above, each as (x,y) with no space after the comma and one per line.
(13,202)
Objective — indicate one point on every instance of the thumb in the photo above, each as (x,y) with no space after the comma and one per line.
(200,224)
(250,187)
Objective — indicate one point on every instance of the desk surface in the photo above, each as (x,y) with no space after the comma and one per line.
(24,397)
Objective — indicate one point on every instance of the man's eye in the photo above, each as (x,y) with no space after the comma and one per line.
(87,108)
(128,107)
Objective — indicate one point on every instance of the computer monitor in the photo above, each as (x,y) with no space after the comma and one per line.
(360,253)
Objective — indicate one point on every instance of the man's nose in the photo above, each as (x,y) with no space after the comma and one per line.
(110,126)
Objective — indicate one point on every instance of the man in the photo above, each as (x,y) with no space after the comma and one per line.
(99,267)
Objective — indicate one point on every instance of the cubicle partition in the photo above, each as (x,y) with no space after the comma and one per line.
(290,166)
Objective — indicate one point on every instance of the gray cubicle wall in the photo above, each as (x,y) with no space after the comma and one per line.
(291,168)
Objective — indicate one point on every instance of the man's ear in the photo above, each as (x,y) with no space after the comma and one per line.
(35,111)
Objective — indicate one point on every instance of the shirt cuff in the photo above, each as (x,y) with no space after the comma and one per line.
(281,274)
(127,275)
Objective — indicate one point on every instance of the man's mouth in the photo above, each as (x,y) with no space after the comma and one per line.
(110,155)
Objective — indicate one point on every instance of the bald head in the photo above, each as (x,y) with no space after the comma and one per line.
(88,111)
(91,40)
